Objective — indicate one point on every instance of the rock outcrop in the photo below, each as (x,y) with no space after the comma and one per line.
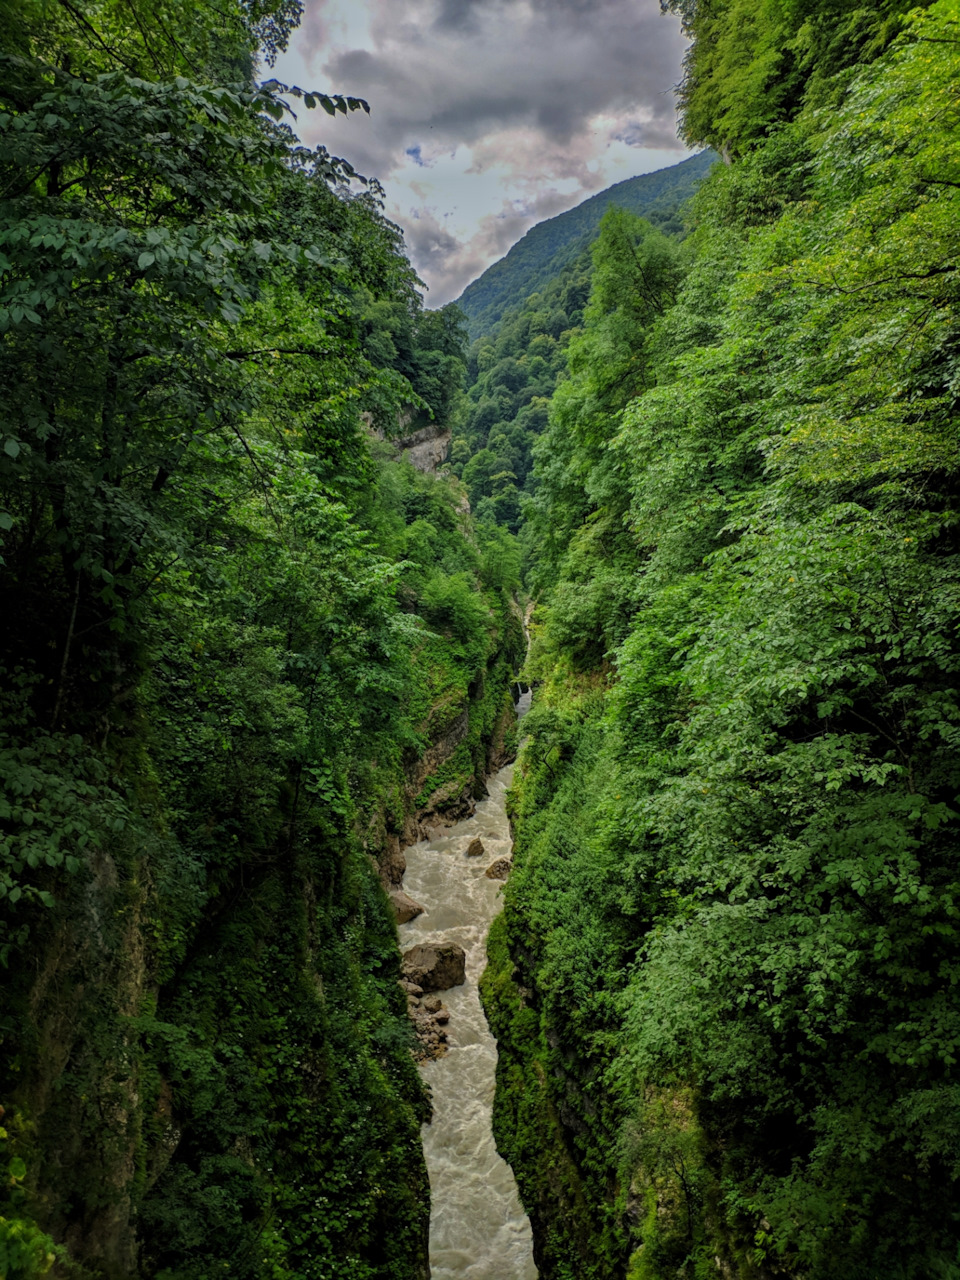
(392,863)
(427,447)
(425,442)
(429,1018)
(475,848)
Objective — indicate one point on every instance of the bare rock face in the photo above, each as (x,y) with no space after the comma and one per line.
(475,848)
(499,870)
(393,863)
(435,966)
(404,906)
(427,447)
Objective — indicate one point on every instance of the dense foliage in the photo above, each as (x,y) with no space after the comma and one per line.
(753,66)
(234,622)
(537,258)
(512,374)
(726,985)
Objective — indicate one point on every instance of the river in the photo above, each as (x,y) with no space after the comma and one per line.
(478,1229)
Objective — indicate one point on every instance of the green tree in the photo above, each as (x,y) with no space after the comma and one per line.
(746,1048)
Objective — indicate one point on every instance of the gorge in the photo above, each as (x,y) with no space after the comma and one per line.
(477,1227)
(281,547)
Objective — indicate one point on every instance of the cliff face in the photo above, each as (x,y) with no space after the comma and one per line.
(207,1061)
(160,1103)
(160,1099)
(467,740)
(423,441)
(77,1097)
(427,447)
(617,1188)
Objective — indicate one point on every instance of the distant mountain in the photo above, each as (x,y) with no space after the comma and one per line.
(550,245)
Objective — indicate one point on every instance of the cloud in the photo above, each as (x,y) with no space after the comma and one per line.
(530,93)
(428,239)
(514,64)
(448,263)
(631,135)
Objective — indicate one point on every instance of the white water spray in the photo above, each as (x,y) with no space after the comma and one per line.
(478,1230)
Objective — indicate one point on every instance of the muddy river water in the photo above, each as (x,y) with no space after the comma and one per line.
(478,1229)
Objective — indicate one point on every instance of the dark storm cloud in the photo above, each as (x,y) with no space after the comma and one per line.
(461,14)
(463,69)
(429,241)
(521,82)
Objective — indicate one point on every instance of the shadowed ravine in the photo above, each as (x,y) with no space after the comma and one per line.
(478,1229)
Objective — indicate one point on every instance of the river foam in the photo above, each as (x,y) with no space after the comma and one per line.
(478,1229)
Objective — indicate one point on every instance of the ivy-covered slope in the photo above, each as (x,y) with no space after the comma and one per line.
(244,648)
(551,245)
(725,985)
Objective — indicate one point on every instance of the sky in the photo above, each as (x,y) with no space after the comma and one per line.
(488,116)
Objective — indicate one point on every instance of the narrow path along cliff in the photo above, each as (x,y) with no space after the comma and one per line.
(478,1230)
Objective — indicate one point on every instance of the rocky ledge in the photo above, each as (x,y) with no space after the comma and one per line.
(427,968)
(429,1018)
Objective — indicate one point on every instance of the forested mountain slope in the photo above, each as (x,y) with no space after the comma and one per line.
(514,366)
(725,983)
(511,374)
(551,245)
(244,652)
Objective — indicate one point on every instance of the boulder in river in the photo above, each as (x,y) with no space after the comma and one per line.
(499,870)
(435,966)
(404,906)
(475,848)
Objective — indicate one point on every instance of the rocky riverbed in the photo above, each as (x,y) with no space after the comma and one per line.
(478,1230)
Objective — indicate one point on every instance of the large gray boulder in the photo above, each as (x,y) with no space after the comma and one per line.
(405,908)
(435,966)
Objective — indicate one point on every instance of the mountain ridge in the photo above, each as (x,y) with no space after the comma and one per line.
(549,245)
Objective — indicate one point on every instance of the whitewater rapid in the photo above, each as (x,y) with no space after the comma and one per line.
(478,1229)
